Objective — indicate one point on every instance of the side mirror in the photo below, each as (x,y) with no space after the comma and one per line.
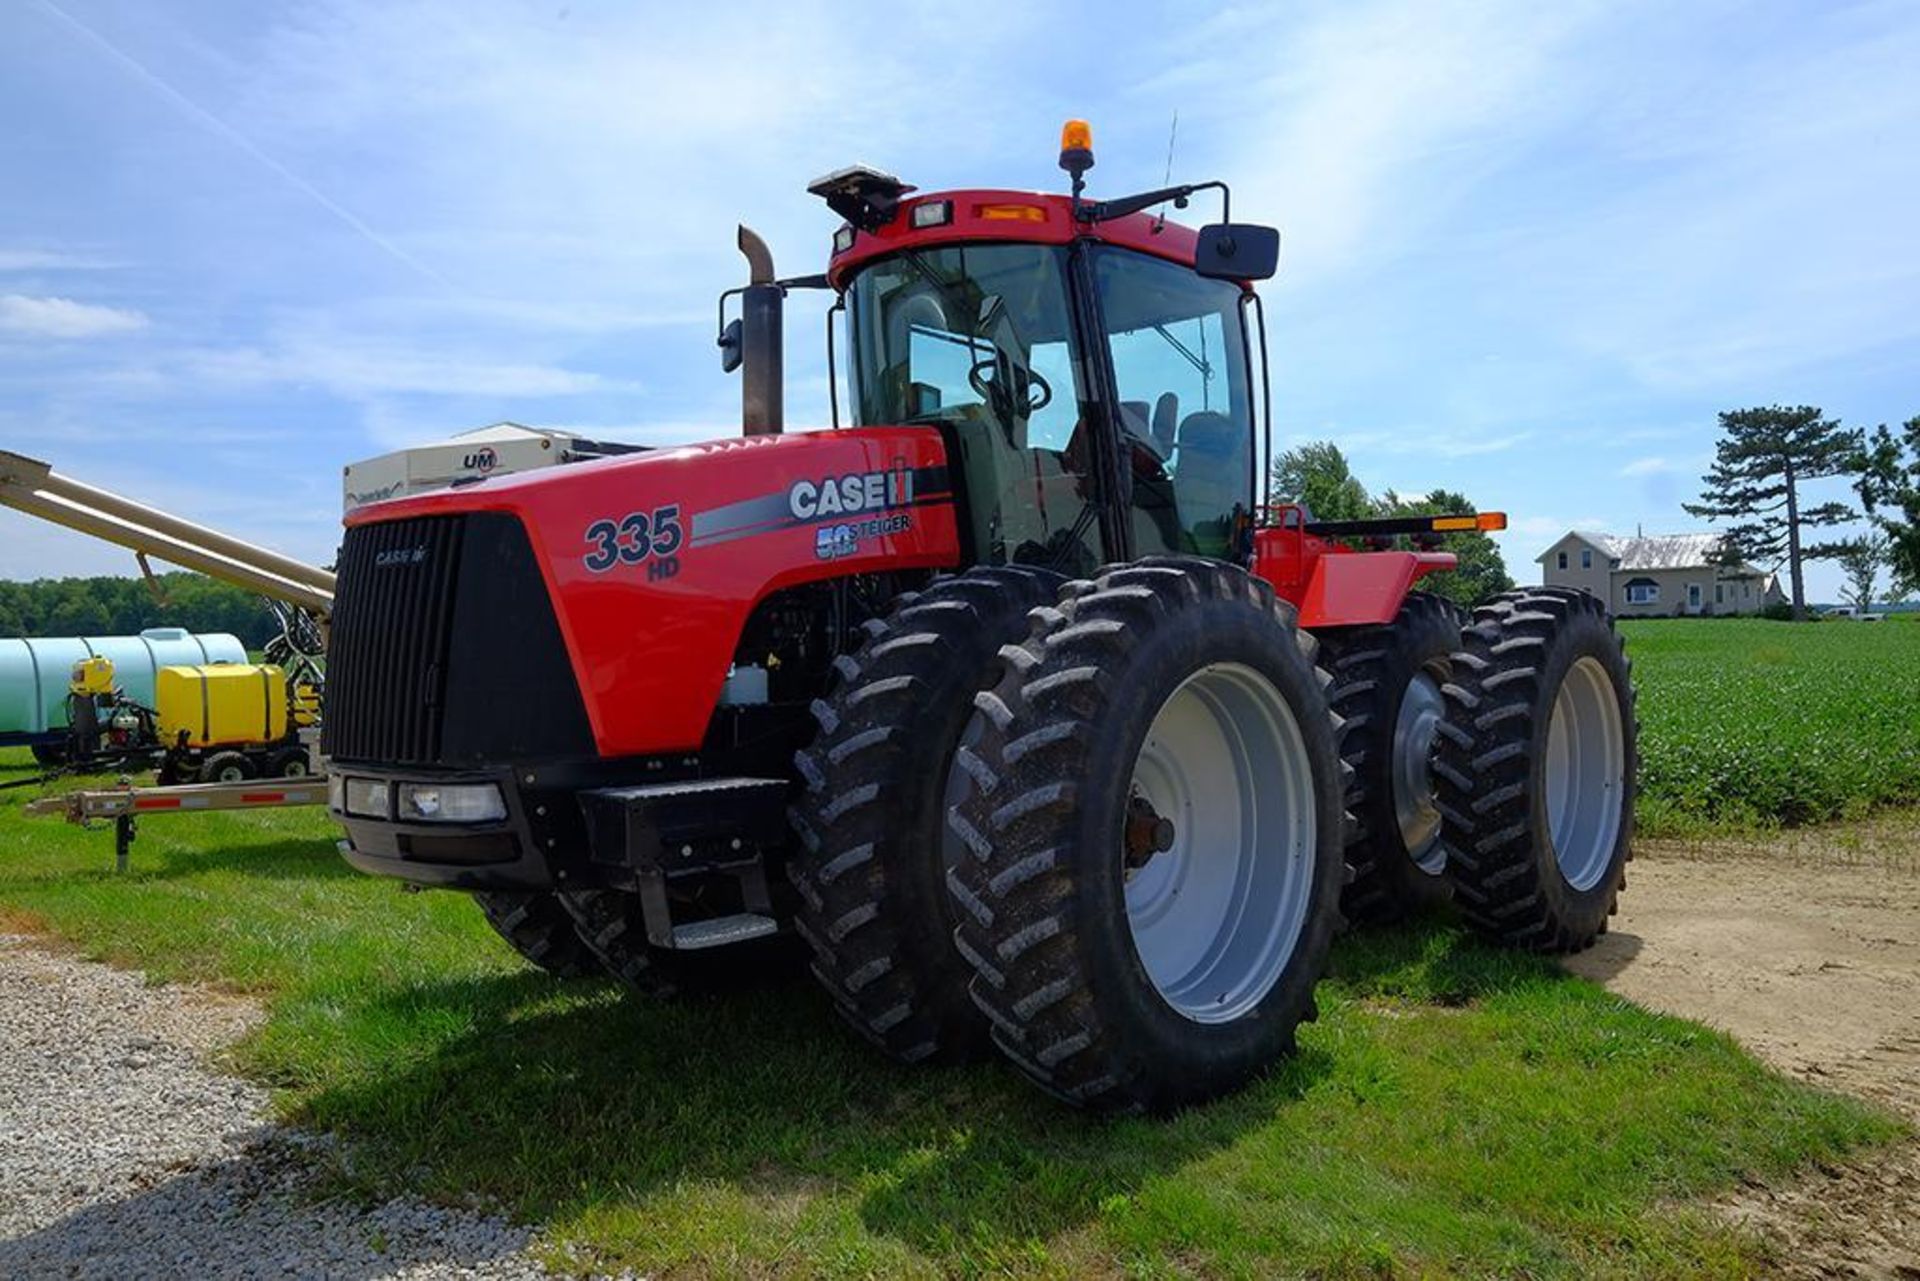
(1237,251)
(730,347)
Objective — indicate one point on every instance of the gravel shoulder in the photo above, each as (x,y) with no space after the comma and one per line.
(124,1153)
(1806,947)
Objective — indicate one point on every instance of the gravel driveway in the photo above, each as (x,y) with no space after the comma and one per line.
(122,1155)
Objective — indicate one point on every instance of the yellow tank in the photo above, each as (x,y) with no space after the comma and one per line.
(92,676)
(224,704)
(306,706)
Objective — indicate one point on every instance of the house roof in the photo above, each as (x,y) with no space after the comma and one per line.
(1655,551)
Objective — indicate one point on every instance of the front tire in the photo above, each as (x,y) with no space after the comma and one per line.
(1535,769)
(538,927)
(1178,685)
(873,840)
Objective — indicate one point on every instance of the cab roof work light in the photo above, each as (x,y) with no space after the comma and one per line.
(1076,153)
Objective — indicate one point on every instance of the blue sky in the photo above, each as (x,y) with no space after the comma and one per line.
(1529,249)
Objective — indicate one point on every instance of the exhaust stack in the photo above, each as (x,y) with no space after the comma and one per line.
(761,344)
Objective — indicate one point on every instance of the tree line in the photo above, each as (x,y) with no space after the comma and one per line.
(123,606)
(1317,476)
(1763,459)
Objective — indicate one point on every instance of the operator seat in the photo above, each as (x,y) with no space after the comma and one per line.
(1212,478)
(1166,421)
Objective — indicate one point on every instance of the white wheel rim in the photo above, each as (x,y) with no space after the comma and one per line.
(1216,916)
(1413,805)
(1586,773)
(229,774)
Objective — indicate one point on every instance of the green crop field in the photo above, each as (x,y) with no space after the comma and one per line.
(1751,723)
(1454,1110)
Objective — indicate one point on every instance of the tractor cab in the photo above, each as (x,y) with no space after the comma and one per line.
(1097,400)
(1089,366)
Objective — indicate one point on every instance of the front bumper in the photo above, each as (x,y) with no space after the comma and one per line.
(541,844)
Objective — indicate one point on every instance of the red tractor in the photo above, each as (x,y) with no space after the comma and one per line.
(1012,699)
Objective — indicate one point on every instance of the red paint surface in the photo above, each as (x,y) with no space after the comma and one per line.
(1139,231)
(1333,585)
(651,654)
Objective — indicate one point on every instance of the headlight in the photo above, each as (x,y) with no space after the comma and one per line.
(451,802)
(369,797)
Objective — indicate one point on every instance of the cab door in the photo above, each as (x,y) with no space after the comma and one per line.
(1183,414)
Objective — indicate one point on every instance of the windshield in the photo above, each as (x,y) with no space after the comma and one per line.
(978,338)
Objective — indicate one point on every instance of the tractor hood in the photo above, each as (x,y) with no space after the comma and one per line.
(653,562)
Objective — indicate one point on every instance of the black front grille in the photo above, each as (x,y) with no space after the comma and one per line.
(445,649)
(392,619)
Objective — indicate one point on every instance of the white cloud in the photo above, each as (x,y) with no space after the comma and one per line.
(1652,466)
(1443,442)
(43,260)
(1383,115)
(64,318)
(359,372)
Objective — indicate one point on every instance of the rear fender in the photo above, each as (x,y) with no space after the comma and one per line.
(1334,586)
(1364,587)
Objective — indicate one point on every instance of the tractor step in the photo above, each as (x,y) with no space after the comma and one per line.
(722,930)
(678,826)
(724,827)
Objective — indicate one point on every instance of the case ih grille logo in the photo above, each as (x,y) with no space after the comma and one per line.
(397,556)
(869,491)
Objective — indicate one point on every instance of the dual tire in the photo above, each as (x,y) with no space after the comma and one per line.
(1151,854)
(1388,683)
(1535,769)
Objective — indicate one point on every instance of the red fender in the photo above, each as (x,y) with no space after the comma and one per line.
(1334,586)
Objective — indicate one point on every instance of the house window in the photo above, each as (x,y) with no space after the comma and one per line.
(1563,560)
(1719,593)
(1586,558)
(1746,590)
(1642,591)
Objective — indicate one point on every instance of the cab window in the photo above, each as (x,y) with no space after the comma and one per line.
(978,339)
(1178,345)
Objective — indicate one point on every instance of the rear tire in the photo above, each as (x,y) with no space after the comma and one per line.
(226,767)
(49,755)
(1116,984)
(873,840)
(1387,683)
(1535,769)
(538,927)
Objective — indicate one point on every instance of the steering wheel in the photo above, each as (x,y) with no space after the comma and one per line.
(985,387)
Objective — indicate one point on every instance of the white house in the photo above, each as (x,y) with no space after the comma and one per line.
(1663,575)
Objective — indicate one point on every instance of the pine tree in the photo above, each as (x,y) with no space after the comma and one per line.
(1760,462)
(1890,485)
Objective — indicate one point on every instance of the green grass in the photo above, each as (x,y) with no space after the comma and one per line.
(1455,1109)
(1751,723)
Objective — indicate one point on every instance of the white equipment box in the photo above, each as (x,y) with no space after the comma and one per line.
(469,456)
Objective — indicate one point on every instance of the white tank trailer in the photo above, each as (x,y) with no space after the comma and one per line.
(34,672)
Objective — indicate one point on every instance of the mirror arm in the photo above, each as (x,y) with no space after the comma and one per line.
(1106,210)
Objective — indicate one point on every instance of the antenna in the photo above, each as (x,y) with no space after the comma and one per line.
(1173,132)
